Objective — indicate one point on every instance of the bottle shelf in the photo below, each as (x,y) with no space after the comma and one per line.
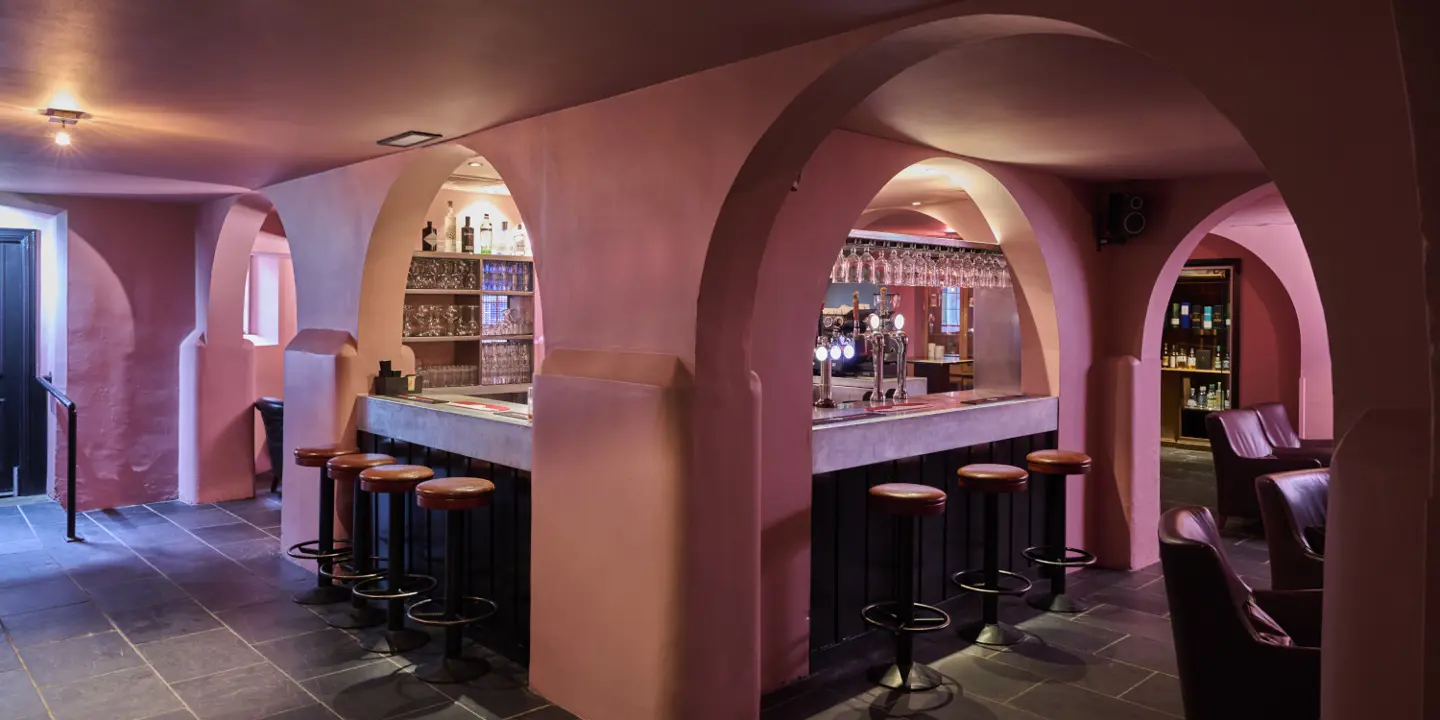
(1197,370)
(417,291)
(473,256)
(1201,409)
(479,389)
(465,338)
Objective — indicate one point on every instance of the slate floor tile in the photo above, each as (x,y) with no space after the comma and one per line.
(135,594)
(61,623)
(1160,692)
(169,619)
(53,592)
(271,621)
(1144,652)
(1062,700)
(318,653)
(18,698)
(78,658)
(374,692)
(1091,672)
(190,656)
(256,691)
(130,694)
(235,531)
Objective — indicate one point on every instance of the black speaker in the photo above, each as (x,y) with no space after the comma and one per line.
(1121,216)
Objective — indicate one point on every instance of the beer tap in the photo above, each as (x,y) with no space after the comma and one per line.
(831,345)
(887,334)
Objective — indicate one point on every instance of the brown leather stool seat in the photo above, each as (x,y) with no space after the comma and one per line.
(455,496)
(325,550)
(1058,462)
(318,456)
(454,493)
(903,616)
(395,586)
(987,478)
(992,481)
(394,478)
(1054,556)
(907,499)
(346,469)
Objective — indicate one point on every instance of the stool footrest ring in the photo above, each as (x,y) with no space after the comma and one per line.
(967,580)
(928,618)
(487,609)
(1052,556)
(326,568)
(310,550)
(379,588)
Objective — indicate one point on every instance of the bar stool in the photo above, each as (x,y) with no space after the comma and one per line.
(906,502)
(1056,465)
(346,469)
(991,481)
(324,549)
(455,496)
(395,585)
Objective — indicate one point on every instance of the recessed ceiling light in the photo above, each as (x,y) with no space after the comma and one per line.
(409,138)
(477,164)
(917,202)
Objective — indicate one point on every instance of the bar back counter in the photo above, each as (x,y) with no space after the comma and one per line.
(923,441)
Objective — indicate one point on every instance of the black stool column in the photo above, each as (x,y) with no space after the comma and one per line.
(345,471)
(324,549)
(1056,465)
(455,496)
(904,617)
(395,585)
(991,481)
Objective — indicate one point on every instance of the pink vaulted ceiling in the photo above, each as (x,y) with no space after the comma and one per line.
(250,92)
(1083,108)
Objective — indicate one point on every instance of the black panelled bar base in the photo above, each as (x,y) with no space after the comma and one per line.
(852,546)
(497,539)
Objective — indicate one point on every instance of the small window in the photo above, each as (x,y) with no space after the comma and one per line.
(262,299)
(950,310)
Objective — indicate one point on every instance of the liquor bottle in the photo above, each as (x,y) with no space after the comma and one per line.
(1165,356)
(520,240)
(502,239)
(467,237)
(487,235)
(451,243)
(1208,318)
(1225,361)
(429,239)
(1204,397)
(1190,359)
(1215,359)
(1190,401)
(1227,398)
(1195,316)
(1185,315)
(1175,315)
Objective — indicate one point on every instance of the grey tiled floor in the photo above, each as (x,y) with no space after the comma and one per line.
(1114,662)
(172,611)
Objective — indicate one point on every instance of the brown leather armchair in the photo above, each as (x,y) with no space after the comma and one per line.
(1289,503)
(1242,653)
(1278,430)
(1242,453)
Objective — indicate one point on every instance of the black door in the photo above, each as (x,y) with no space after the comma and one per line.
(22,404)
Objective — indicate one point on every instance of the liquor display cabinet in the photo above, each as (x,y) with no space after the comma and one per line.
(1199,362)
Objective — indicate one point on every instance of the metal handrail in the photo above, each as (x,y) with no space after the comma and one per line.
(70,445)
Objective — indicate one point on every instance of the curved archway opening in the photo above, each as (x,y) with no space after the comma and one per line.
(1268,342)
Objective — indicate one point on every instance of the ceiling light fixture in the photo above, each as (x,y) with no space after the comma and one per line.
(409,138)
(916,203)
(477,164)
(66,118)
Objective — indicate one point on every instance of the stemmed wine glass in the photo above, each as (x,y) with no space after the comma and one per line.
(867,266)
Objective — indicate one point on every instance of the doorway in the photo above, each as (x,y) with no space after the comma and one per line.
(22,406)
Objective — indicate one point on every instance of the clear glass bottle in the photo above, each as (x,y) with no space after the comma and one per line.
(520,240)
(450,240)
(485,243)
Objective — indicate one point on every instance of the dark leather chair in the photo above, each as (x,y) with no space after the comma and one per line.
(1242,453)
(1289,503)
(1278,430)
(1243,654)
(272,416)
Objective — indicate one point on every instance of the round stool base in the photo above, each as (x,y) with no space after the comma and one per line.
(322,595)
(393,642)
(918,678)
(448,671)
(1051,602)
(355,618)
(996,635)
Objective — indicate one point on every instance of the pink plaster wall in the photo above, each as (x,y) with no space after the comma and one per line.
(1269,354)
(270,359)
(127,315)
